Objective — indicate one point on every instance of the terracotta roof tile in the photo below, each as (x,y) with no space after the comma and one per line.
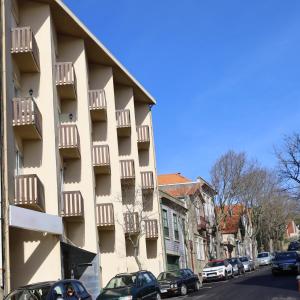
(172,179)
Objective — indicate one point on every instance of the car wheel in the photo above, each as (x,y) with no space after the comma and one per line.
(226,276)
(183,290)
(158,297)
(197,286)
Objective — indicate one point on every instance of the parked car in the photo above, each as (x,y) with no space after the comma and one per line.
(237,265)
(178,282)
(217,269)
(288,261)
(294,246)
(50,290)
(264,258)
(248,263)
(131,286)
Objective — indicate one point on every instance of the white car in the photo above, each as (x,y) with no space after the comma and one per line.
(264,258)
(217,269)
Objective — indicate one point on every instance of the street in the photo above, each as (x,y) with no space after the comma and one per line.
(258,285)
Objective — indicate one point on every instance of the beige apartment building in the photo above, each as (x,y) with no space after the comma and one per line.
(79,160)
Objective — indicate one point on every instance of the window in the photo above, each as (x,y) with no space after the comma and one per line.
(165,223)
(147,278)
(19,163)
(175,222)
(199,248)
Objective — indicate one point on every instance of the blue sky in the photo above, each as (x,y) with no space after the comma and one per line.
(226,74)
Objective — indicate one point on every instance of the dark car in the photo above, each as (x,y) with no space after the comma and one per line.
(294,246)
(50,290)
(178,282)
(286,262)
(131,286)
(237,265)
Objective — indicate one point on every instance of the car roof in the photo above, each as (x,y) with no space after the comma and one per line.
(46,283)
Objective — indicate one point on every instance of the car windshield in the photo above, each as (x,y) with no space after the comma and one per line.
(37,293)
(121,281)
(212,264)
(286,255)
(244,259)
(260,255)
(168,275)
(233,261)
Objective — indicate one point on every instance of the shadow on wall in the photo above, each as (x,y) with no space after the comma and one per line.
(129,247)
(75,232)
(24,268)
(103,185)
(144,158)
(151,246)
(72,171)
(107,241)
(99,76)
(141,112)
(147,198)
(123,95)
(99,131)
(32,154)
(124,145)
(128,194)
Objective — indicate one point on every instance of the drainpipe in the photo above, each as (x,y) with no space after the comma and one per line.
(4,177)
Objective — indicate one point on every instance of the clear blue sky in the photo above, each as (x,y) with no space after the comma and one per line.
(226,74)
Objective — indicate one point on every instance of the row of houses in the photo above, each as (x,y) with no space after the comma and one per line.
(189,224)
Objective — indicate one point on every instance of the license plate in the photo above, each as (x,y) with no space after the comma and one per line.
(210,275)
(163,291)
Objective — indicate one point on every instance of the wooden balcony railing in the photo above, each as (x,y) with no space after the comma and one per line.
(151,229)
(143,136)
(147,180)
(131,223)
(72,206)
(29,192)
(123,122)
(69,143)
(27,119)
(202,223)
(101,159)
(105,216)
(127,169)
(97,105)
(24,49)
(65,79)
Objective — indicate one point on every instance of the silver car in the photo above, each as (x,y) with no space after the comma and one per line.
(264,258)
(248,263)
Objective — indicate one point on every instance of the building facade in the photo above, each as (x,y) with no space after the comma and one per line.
(174,216)
(79,160)
(200,244)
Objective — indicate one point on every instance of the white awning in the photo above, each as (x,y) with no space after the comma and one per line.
(32,220)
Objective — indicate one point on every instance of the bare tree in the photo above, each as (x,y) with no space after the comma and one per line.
(226,175)
(288,156)
(137,217)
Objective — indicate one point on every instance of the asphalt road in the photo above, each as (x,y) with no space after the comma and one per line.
(257,285)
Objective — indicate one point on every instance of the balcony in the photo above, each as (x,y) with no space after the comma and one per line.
(69,144)
(131,223)
(29,192)
(147,180)
(202,224)
(65,80)
(27,119)
(72,207)
(151,229)
(24,49)
(143,136)
(123,122)
(101,159)
(127,170)
(105,216)
(97,105)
